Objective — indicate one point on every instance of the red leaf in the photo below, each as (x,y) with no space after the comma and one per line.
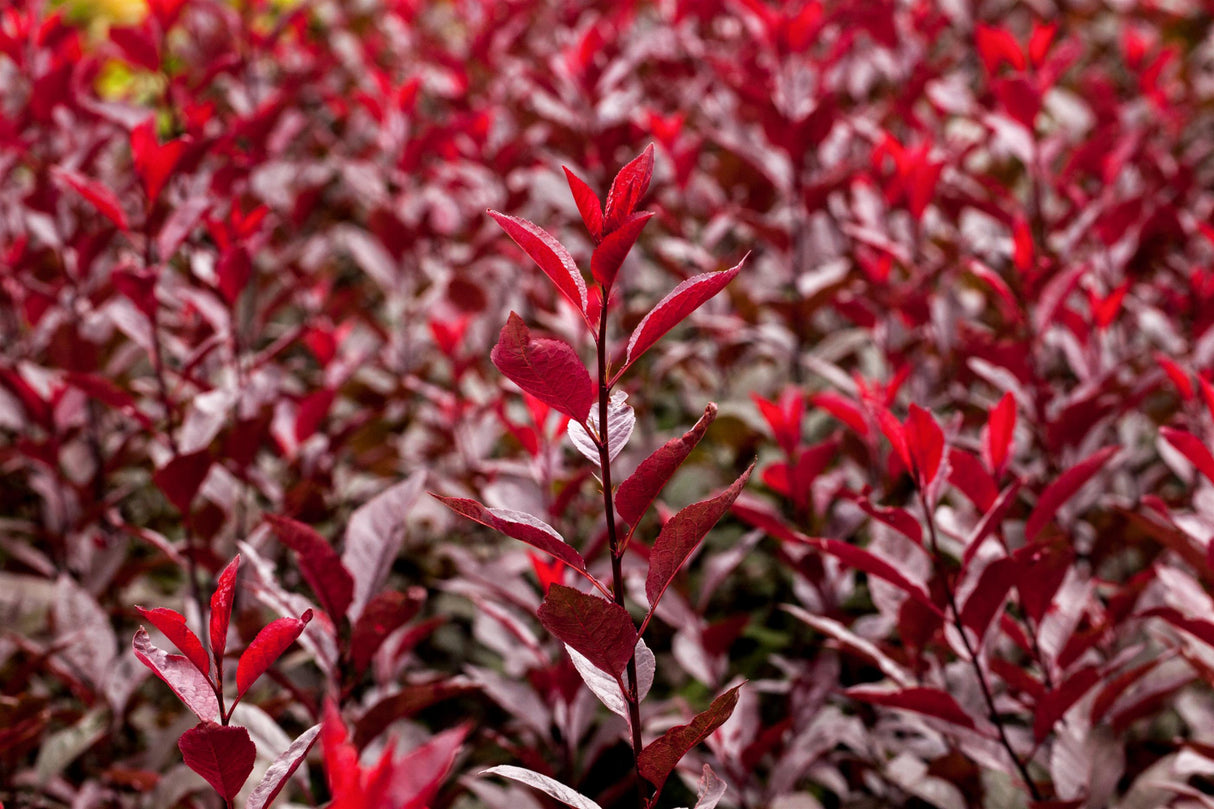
(609,255)
(969,476)
(1039,42)
(172,624)
(659,758)
(864,561)
(312,411)
(1019,99)
(629,186)
(927,701)
(179,674)
(268,646)
(783,417)
(548,369)
(588,204)
(895,433)
(1041,570)
(221,611)
(319,563)
(138,46)
(223,756)
(1177,374)
(671,310)
(281,770)
(153,162)
(996,46)
(638,491)
(925,441)
(682,534)
(549,254)
(417,775)
(234,271)
(97,195)
(1055,703)
(341,761)
(181,478)
(602,631)
(140,288)
(992,517)
(384,614)
(899,519)
(1117,686)
(1192,448)
(988,595)
(1000,427)
(519,525)
(1063,489)
(842,409)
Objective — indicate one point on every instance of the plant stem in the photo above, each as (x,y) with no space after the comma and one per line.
(972,653)
(616,547)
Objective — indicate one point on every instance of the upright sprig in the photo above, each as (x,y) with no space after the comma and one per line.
(603,640)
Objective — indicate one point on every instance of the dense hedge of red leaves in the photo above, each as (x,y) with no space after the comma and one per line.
(248,294)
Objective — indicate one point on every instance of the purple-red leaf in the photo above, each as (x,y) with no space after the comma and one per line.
(548,369)
(1063,489)
(179,674)
(374,536)
(549,254)
(182,477)
(659,758)
(154,162)
(519,525)
(864,561)
(987,597)
(640,489)
(384,614)
(629,186)
(682,534)
(267,647)
(221,611)
(1057,702)
(602,631)
(607,258)
(670,311)
(1192,448)
(172,624)
(223,756)
(588,204)
(319,563)
(97,195)
(281,770)
(927,701)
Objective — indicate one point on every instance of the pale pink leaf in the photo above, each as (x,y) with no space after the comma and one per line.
(606,687)
(621,418)
(374,536)
(549,786)
(179,674)
(281,770)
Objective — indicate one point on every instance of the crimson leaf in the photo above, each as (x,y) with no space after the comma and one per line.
(172,624)
(638,491)
(999,430)
(98,195)
(1192,448)
(154,162)
(181,478)
(268,646)
(319,563)
(549,254)
(281,770)
(1057,702)
(548,369)
(629,186)
(682,301)
(682,534)
(925,441)
(519,525)
(659,758)
(988,595)
(179,674)
(221,612)
(602,631)
(610,254)
(588,204)
(223,756)
(1063,489)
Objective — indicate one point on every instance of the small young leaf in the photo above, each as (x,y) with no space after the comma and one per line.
(659,758)
(319,563)
(588,204)
(709,790)
(843,409)
(997,441)
(606,687)
(281,770)
(609,256)
(267,647)
(549,786)
(549,254)
(629,185)
(621,418)
(1063,489)
(172,624)
(221,612)
(223,756)
(639,490)
(548,369)
(179,674)
(154,162)
(519,525)
(927,701)
(682,534)
(671,310)
(925,441)
(601,630)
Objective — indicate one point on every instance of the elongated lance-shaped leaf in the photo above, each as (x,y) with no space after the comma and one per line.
(925,442)
(609,256)
(621,418)
(319,563)
(639,489)
(1063,489)
(549,254)
(179,674)
(548,369)
(588,204)
(682,534)
(268,646)
(97,194)
(281,770)
(629,185)
(927,701)
(223,756)
(549,786)
(998,433)
(173,625)
(602,631)
(221,613)
(374,536)
(659,758)
(671,310)
(519,525)
(1192,448)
